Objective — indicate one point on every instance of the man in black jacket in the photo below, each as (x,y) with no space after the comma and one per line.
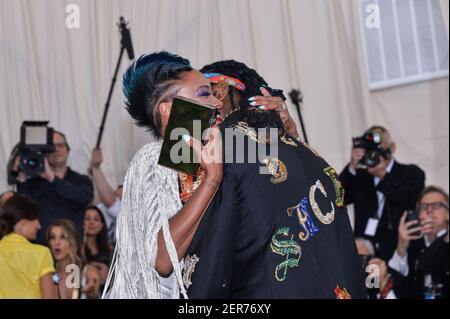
(381,194)
(277,227)
(420,264)
(60,191)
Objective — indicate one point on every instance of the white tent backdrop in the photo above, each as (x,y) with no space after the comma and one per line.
(50,72)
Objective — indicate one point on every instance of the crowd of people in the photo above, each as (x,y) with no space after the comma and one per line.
(401,225)
(59,229)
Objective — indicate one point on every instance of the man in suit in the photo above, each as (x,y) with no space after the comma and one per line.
(380,193)
(420,264)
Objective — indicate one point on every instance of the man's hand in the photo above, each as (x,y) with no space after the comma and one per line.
(21,176)
(356,155)
(405,231)
(16,166)
(48,174)
(379,170)
(96,158)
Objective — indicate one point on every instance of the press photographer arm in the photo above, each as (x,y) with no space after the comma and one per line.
(356,156)
(48,174)
(21,176)
(78,191)
(348,174)
(22,187)
(403,189)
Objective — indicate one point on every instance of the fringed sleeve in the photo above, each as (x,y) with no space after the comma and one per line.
(151,198)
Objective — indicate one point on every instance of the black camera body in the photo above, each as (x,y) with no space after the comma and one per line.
(36,140)
(371,143)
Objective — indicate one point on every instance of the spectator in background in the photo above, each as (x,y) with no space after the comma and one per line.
(92,282)
(420,263)
(60,191)
(97,249)
(381,194)
(4,197)
(109,200)
(66,247)
(25,268)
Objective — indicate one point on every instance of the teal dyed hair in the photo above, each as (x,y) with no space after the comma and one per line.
(146,83)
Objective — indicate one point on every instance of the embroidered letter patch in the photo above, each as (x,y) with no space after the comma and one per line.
(324,219)
(331,172)
(285,247)
(307,224)
(277,168)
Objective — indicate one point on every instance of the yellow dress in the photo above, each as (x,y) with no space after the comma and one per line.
(22,264)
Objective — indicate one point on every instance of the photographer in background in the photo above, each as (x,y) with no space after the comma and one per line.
(60,191)
(380,188)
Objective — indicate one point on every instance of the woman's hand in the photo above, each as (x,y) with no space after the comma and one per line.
(210,155)
(267,102)
(184,224)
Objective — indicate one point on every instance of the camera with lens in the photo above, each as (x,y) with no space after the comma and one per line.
(371,143)
(36,140)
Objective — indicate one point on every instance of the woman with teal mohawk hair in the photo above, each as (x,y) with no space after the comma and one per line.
(154,229)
